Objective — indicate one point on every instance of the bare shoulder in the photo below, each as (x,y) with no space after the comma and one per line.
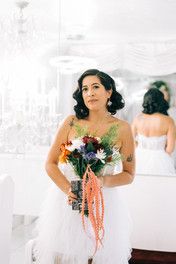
(60,138)
(169,120)
(171,124)
(139,117)
(124,127)
(66,124)
(69,120)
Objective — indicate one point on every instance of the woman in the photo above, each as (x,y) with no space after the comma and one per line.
(61,236)
(163,87)
(154,131)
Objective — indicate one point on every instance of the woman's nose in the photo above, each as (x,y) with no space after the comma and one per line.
(90,92)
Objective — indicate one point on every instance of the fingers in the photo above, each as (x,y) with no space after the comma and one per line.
(71,197)
(100,181)
(70,200)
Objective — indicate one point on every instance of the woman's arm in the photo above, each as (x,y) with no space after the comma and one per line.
(52,160)
(134,130)
(170,145)
(127,152)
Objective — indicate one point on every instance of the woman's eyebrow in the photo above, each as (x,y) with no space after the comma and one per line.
(95,83)
(91,84)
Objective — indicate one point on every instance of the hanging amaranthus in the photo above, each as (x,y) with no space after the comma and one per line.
(93,196)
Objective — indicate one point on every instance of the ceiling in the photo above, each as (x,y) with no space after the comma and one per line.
(112,20)
(116,33)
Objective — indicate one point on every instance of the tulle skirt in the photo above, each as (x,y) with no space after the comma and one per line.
(61,235)
(156,162)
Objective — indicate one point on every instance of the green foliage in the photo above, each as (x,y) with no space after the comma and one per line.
(81,131)
(110,137)
(90,147)
(97,167)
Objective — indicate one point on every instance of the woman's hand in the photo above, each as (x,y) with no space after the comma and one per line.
(100,180)
(71,197)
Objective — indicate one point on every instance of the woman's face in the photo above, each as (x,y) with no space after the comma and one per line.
(94,94)
(166,94)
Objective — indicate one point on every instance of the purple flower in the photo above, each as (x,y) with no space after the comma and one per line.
(90,155)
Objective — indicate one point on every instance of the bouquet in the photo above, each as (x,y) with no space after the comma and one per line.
(88,155)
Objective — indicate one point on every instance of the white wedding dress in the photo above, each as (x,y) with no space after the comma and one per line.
(61,238)
(151,157)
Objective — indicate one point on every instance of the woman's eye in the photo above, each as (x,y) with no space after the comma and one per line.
(84,89)
(96,86)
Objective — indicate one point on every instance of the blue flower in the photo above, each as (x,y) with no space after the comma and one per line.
(90,155)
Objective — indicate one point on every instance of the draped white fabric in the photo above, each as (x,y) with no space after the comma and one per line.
(151,58)
(147,58)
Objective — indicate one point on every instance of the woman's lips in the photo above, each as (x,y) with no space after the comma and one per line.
(92,101)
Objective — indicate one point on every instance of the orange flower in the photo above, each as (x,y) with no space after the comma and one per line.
(64,154)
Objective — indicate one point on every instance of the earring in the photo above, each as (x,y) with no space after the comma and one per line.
(109,103)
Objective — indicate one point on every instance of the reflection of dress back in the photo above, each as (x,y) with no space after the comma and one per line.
(151,157)
(154,143)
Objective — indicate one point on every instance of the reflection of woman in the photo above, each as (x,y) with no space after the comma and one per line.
(163,87)
(154,131)
(61,235)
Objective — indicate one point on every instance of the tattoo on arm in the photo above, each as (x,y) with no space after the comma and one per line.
(72,122)
(130,158)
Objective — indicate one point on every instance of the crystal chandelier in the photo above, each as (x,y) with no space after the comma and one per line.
(20,32)
(21,23)
(28,108)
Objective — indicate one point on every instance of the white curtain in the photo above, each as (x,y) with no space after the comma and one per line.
(152,58)
(157,58)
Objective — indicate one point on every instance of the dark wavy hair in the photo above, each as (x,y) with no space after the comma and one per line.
(154,102)
(116,100)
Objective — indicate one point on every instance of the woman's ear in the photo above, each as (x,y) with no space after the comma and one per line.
(109,93)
